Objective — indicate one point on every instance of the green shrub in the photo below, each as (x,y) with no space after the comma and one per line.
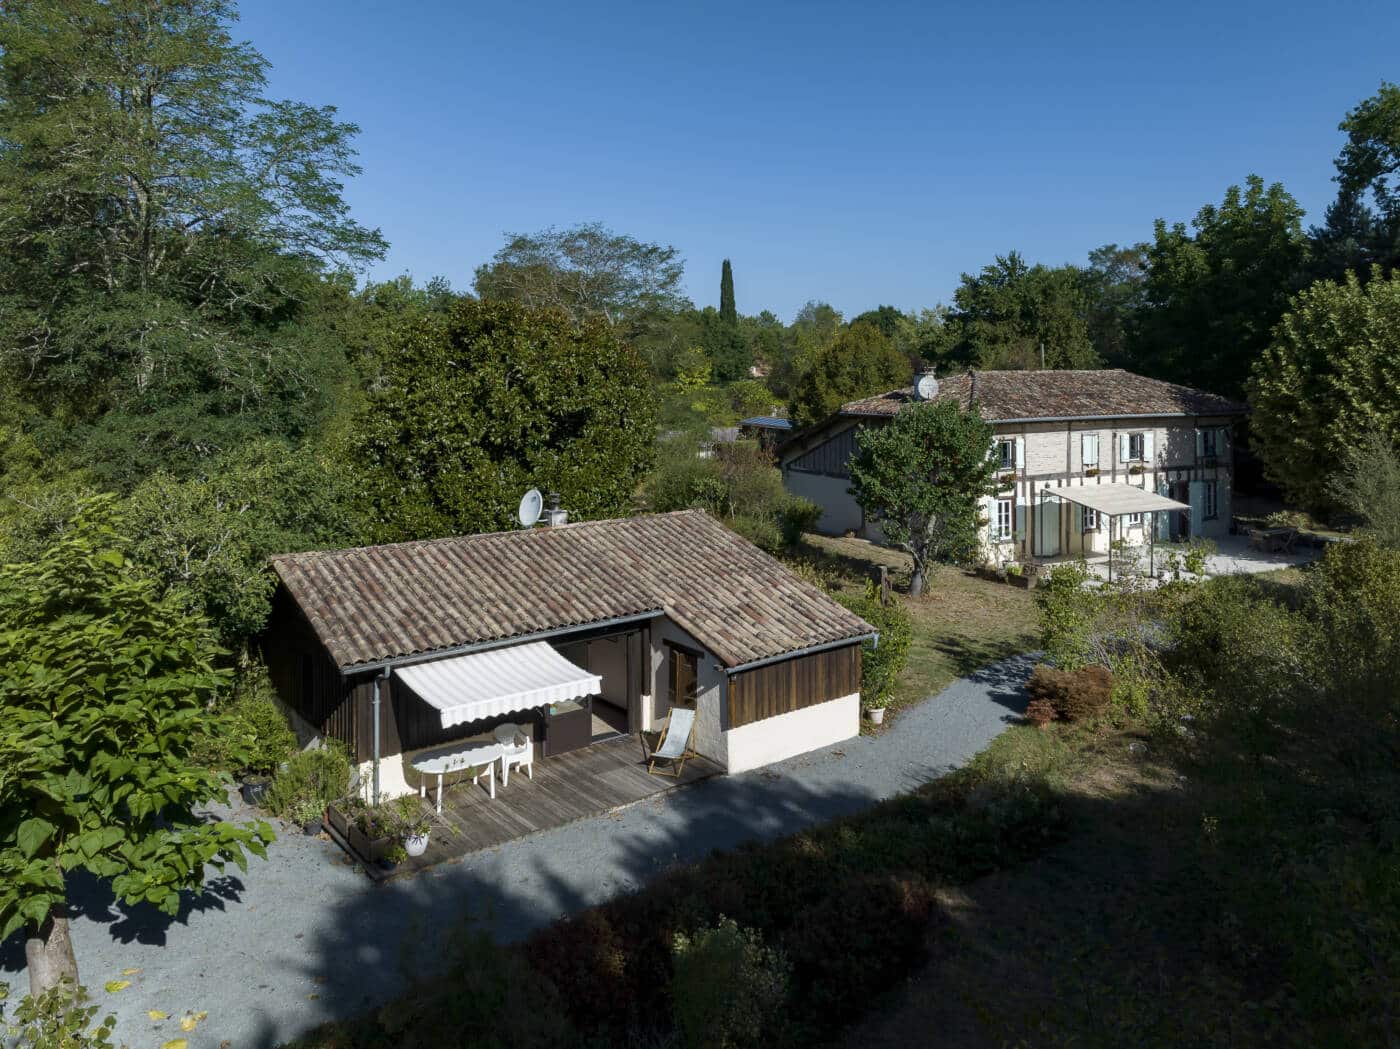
(311,780)
(882,661)
(250,735)
(60,1018)
(1074,695)
(727,989)
(761,531)
(1228,643)
(797,515)
(684,481)
(1353,598)
(1068,613)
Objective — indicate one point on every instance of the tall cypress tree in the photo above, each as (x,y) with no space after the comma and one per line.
(728,315)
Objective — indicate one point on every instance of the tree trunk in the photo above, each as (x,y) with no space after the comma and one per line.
(49,952)
(916,582)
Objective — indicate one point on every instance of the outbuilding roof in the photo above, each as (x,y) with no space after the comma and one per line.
(377,603)
(1024,396)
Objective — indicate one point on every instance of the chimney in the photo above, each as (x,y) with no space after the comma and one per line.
(554,517)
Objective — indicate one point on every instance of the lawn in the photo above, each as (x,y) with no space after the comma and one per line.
(961,622)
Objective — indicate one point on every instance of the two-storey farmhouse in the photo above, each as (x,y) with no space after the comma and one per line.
(1084,458)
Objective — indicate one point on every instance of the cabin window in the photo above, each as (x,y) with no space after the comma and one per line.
(683,675)
(1137,447)
(1135,520)
(1210,443)
(1091,520)
(1006,510)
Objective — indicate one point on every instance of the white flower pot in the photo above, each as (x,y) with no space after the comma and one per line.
(876,715)
(415,844)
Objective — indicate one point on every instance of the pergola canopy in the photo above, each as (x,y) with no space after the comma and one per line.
(498,681)
(1115,500)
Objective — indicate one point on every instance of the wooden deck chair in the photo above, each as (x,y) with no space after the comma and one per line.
(673,746)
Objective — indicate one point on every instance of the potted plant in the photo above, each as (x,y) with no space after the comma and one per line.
(413,823)
(307,814)
(874,713)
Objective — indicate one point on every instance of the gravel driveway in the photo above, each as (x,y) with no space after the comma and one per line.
(302,939)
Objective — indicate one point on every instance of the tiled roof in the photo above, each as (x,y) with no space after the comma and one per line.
(1106,393)
(382,602)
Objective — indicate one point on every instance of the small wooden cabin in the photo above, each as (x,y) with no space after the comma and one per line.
(393,649)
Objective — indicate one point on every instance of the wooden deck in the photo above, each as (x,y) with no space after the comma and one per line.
(586,782)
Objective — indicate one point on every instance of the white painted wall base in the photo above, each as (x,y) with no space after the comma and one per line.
(787,735)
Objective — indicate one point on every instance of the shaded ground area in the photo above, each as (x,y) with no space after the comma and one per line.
(302,939)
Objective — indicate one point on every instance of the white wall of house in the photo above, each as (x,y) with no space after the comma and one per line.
(797,732)
(840,514)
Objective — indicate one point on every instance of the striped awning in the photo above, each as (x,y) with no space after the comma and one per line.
(498,681)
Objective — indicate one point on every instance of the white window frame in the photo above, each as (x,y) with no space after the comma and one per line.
(1210,443)
(1004,531)
(1135,520)
(1210,501)
(1091,519)
(1087,440)
(1139,453)
(1006,453)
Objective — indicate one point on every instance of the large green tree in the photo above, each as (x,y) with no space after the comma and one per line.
(586,271)
(1212,296)
(1011,315)
(857,362)
(491,399)
(161,222)
(923,478)
(1330,379)
(104,685)
(1362,226)
(728,309)
(1113,287)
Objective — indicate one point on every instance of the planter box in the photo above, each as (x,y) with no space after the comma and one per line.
(366,849)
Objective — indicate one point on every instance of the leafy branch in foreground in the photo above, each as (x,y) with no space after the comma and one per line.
(104,686)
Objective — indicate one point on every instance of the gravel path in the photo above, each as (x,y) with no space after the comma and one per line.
(301,938)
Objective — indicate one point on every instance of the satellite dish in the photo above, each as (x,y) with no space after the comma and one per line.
(926,387)
(531,506)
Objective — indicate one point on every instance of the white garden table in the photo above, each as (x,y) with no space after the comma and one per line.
(481,757)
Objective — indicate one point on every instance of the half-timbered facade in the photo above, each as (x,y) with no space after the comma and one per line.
(1055,431)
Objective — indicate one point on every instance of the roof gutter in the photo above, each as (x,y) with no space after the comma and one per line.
(809,650)
(481,646)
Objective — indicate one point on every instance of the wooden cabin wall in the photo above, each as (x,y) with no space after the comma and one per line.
(792,684)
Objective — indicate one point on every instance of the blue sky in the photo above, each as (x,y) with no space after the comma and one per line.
(856,153)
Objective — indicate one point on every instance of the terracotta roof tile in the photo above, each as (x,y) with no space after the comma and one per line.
(382,602)
(1105,393)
